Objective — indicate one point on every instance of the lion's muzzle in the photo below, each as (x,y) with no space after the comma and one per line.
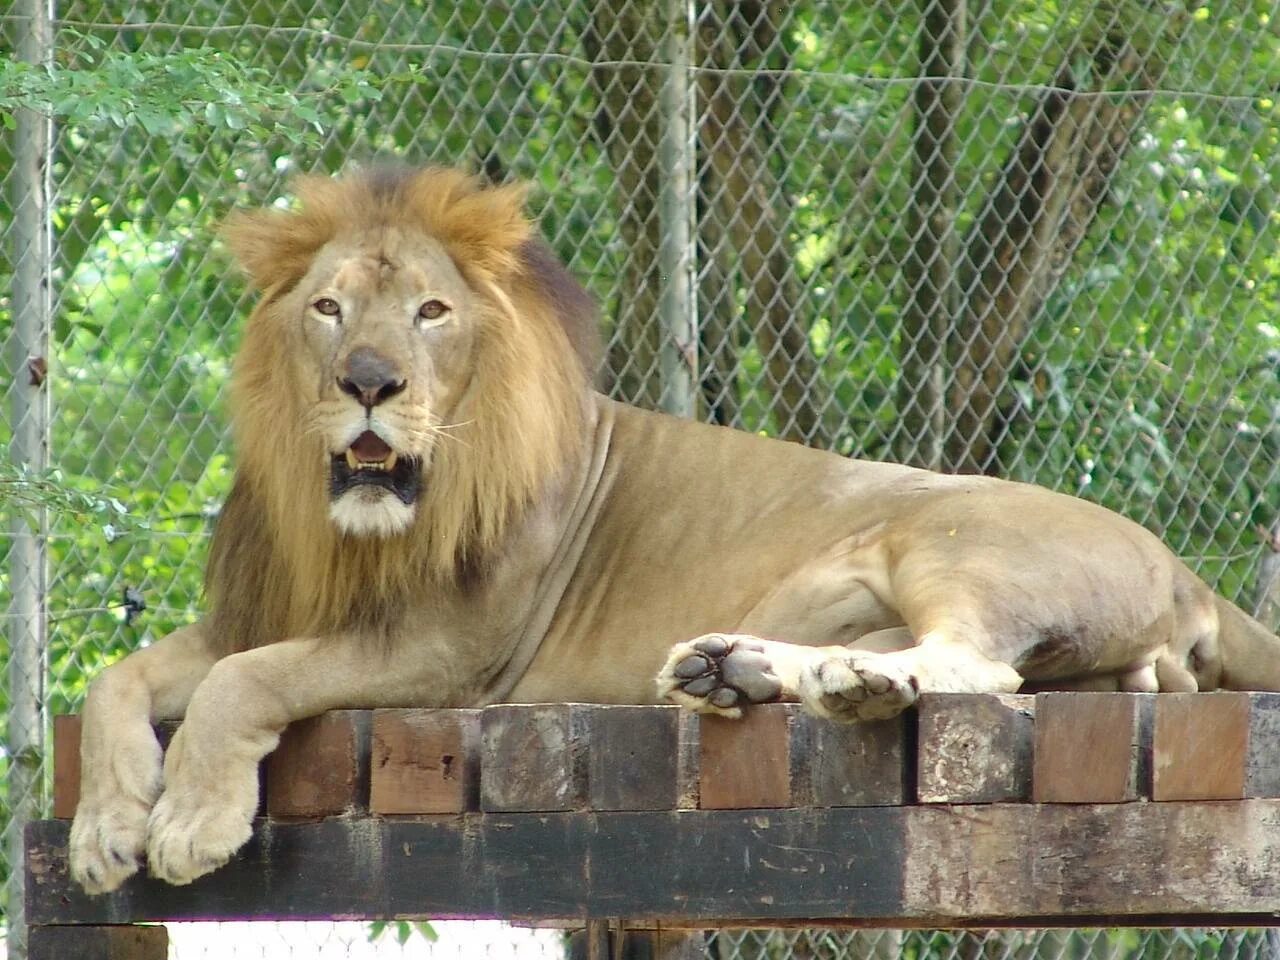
(369,461)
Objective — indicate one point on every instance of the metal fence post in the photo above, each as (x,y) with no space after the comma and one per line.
(28,368)
(679,352)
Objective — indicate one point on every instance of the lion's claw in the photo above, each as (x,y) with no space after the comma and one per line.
(718,674)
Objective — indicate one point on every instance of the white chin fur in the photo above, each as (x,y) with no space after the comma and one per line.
(370,513)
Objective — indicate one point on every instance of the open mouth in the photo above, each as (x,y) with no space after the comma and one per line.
(369,461)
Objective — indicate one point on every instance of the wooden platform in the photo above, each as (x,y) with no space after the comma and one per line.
(974,811)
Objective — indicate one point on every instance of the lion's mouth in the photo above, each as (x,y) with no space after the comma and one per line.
(369,461)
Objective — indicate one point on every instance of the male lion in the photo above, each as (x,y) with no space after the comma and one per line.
(432,508)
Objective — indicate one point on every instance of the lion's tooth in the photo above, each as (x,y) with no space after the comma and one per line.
(352,462)
(390,463)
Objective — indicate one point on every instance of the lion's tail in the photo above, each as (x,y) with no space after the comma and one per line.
(1250,652)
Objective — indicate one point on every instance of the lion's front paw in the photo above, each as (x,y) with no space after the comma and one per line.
(187,840)
(122,781)
(857,686)
(107,840)
(202,818)
(718,674)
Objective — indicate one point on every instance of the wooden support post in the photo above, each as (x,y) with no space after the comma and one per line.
(777,756)
(321,767)
(1216,746)
(974,748)
(98,943)
(639,944)
(425,761)
(597,940)
(1092,747)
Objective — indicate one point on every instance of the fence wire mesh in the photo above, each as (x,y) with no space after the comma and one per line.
(1035,238)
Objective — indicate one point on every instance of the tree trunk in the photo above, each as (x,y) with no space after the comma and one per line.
(930,267)
(748,196)
(627,125)
(1050,192)
(717,318)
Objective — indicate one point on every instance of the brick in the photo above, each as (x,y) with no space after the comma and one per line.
(425,761)
(974,747)
(532,757)
(1092,747)
(1216,746)
(746,763)
(321,767)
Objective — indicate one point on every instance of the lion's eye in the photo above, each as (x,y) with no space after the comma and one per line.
(432,310)
(327,306)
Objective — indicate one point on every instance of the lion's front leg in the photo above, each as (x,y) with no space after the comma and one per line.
(120,775)
(235,718)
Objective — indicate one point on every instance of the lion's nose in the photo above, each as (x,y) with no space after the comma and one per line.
(371,378)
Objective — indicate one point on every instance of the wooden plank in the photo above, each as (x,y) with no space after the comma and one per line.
(1092,747)
(66,766)
(633,757)
(425,761)
(926,865)
(98,943)
(746,763)
(321,766)
(532,757)
(974,748)
(1216,746)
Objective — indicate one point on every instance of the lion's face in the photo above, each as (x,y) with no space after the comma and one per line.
(387,325)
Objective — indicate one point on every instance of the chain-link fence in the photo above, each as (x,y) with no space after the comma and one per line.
(1027,237)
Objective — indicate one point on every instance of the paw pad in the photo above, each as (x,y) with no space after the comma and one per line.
(726,673)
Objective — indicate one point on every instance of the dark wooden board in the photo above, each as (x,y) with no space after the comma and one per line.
(633,758)
(983,865)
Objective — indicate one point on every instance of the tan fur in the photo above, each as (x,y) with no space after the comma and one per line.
(565,547)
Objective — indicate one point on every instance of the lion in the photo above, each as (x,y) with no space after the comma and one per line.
(432,507)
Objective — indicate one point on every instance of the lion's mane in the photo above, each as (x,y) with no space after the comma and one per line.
(278,567)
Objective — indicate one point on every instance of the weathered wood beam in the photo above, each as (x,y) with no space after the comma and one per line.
(1139,864)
